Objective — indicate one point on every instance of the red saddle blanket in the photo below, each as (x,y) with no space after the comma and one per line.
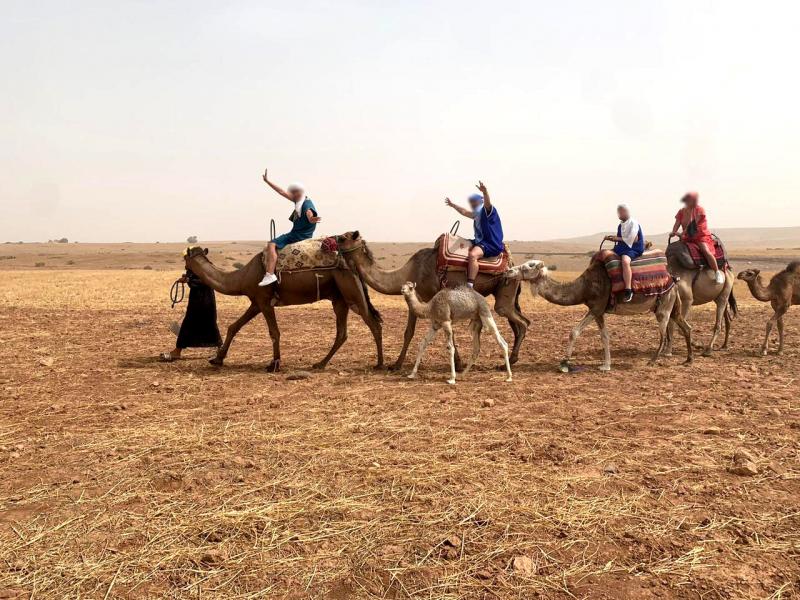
(453,254)
(700,261)
(650,274)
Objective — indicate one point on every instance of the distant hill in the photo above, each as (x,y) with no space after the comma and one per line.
(762,238)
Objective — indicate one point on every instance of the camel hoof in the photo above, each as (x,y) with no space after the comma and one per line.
(509,380)
(451,381)
(395,366)
(512,360)
(604,368)
(688,362)
(707,352)
(412,375)
(273,367)
(320,366)
(379,367)
(563,366)
(216,361)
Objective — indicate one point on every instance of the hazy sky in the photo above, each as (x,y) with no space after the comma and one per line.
(153,120)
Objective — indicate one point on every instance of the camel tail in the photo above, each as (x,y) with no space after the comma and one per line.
(733,306)
(371,307)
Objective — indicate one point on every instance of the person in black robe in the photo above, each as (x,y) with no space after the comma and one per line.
(199,327)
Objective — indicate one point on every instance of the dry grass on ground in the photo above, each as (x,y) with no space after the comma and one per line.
(121,477)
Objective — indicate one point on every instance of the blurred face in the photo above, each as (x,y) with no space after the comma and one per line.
(297,194)
(623,213)
(475,204)
(689,200)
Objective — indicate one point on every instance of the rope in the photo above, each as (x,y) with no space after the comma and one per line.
(173,292)
(454,228)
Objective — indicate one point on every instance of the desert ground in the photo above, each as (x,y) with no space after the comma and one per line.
(123,477)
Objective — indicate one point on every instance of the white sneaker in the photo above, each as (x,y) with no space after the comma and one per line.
(719,277)
(269,279)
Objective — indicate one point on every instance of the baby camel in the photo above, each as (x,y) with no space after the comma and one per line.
(782,292)
(450,305)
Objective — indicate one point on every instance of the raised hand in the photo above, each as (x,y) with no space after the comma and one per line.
(481,187)
(448,202)
(264,177)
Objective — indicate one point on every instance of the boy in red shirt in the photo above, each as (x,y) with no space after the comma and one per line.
(692,218)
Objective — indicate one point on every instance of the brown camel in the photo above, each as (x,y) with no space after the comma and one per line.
(782,292)
(593,288)
(696,287)
(421,269)
(341,286)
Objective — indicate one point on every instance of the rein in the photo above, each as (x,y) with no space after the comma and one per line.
(353,249)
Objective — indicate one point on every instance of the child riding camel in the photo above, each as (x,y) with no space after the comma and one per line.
(629,246)
(488,229)
(304,218)
(692,219)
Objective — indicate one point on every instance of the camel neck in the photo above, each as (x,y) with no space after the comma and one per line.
(759,290)
(224,282)
(385,282)
(415,305)
(564,294)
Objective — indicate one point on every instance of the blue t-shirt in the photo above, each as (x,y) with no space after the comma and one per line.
(623,248)
(303,229)
(488,231)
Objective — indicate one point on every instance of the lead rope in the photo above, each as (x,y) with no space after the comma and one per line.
(173,292)
(318,276)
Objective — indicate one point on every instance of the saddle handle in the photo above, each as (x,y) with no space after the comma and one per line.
(271,229)
(672,235)
(454,228)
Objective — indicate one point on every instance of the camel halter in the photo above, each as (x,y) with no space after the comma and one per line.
(360,246)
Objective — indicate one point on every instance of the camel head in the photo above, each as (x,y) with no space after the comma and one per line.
(349,241)
(748,274)
(408,288)
(193,252)
(532,270)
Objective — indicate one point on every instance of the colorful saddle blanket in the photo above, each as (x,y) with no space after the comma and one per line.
(452,253)
(305,255)
(700,261)
(650,274)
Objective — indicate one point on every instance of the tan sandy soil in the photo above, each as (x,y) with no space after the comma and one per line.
(121,477)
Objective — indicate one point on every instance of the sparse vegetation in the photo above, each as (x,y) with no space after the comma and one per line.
(39,264)
(147,268)
(192,239)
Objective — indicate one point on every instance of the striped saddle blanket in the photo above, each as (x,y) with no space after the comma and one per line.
(650,274)
(305,255)
(452,253)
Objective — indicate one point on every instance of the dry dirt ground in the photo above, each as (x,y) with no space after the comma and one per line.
(121,477)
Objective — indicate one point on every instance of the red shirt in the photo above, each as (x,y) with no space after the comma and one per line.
(685,217)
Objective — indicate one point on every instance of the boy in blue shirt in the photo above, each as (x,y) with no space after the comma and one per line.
(304,218)
(488,239)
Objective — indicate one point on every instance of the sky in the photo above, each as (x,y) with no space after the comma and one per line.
(154,120)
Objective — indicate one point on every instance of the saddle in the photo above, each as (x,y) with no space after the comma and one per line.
(452,253)
(650,274)
(688,256)
(306,255)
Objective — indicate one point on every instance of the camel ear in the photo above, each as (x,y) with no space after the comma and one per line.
(756,271)
(205,251)
(356,234)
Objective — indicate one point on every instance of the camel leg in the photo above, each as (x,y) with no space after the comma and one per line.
(423,345)
(272,324)
(492,326)
(509,308)
(663,312)
(233,329)
(765,345)
(451,349)
(687,298)
(408,335)
(341,310)
(575,334)
(605,339)
(476,327)
(722,304)
(727,318)
(778,319)
(686,329)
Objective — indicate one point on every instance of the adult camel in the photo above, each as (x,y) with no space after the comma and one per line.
(341,286)
(697,286)
(593,288)
(782,292)
(421,269)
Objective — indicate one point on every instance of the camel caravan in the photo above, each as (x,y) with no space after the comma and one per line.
(450,281)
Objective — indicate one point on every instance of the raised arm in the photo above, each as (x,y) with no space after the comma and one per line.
(463,211)
(487,203)
(676,227)
(278,189)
